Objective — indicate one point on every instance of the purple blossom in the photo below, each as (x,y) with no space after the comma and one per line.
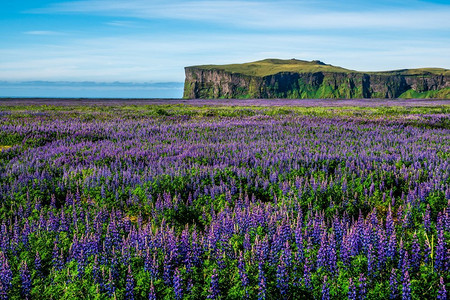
(442,293)
(214,290)
(392,246)
(416,253)
(110,286)
(3,292)
(325,289)
(307,273)
(282,278)
(393,284)
(441,252)
(129,287)
(262,283)
(26,280)
(178,284)
(351,289)
(362,287)
(6,274)
(406,287)
(152,294)
(38,264)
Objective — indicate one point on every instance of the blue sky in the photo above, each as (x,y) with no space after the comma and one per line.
(152,41)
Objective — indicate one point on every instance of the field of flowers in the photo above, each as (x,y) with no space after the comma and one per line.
(185,202)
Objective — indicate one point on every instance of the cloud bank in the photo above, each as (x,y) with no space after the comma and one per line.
(142,41)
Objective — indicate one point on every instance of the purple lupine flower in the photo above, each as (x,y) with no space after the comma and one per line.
(389,223)
(6,274)
(167,271)
(307,273)
(321,260)
(214,290)
(447,212)
(129,287)
(325,289)
(331,254)
(406,223)
(416,255)
(442,293)
(178,284)
(406,288)
(110,286)
(57,257)
(393,284)
(26,280)
(243,273)
(299,236)
(351,289)
(151,264)
(401,255)
(362,287)
(221,259)
(3,292)
(440,222)
(370,261)
(282,278)
(38,264)
(114,266)
(392,246)
(406,263)
(81,263)
(151,293)
(382,246)
(352,295)
(345,251)
(441,254)
(426,252)
(96,272)
(262,283)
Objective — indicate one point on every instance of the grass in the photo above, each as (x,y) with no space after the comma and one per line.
(438,94)
(268,67)
(171,110)
(273,66)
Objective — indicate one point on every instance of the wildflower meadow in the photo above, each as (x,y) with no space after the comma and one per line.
(224,202)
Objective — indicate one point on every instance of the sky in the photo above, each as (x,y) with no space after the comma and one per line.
(152,41)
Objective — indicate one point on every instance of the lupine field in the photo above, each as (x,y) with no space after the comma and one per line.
(223,202)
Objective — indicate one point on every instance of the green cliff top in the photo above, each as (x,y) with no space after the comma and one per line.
(268,67)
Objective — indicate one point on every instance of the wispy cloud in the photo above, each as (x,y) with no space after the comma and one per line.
(142,40)
(43,32)
(128,24)
(265,14)
(148,58)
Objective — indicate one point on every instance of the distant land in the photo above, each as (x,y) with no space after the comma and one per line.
(299,79)
(88,89)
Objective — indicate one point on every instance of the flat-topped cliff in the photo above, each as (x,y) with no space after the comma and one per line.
(275,78)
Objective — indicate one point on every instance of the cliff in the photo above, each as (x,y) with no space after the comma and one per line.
(273,78)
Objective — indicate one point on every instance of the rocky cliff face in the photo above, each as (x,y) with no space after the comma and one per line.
(216,83)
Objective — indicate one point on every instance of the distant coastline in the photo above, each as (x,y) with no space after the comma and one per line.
(89,89)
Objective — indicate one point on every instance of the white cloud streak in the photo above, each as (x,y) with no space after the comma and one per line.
(127,24)
(146,58)
(43,32)
(356,39)
(282,15)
